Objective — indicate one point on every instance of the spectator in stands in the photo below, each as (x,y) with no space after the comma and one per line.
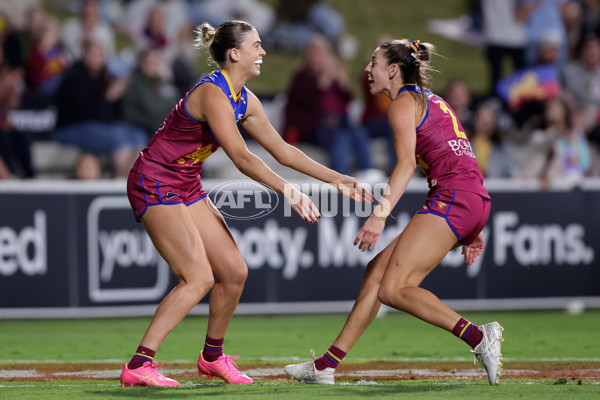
(15,147)
(12,46)
(494,154)
(549,50)
(302,110)
(150,96)
(526,91)
(258,13)
(543,18)
(336,133)
(18,37)
(15,11)
(558,148)
(590,17)
(574,27)
(164,25)
(32,28)
(299,20)
(582,79)
(88,113)
(317,109)
(458,96)
(154,33)
(46,61)
(505,36)
(570,157)
(136,14)
(87,26)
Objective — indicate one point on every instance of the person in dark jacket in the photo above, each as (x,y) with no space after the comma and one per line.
(317,109)
(88,112)
(150,96)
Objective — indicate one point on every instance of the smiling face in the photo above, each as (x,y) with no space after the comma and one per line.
(251,53)
(377,73)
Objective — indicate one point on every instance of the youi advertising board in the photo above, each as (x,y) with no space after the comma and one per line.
(77,246)
(122,264)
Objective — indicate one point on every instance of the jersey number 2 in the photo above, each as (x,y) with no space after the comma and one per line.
(457,130)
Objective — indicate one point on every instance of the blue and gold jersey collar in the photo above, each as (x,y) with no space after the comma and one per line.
(412,87)
(232,94)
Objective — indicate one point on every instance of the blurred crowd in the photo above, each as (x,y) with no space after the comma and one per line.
(539,118)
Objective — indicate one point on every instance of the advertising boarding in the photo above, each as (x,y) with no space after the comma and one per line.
(83,249)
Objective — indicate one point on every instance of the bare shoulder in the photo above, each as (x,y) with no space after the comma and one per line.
(404,104)
(203,98)
(208,92)
(406,98)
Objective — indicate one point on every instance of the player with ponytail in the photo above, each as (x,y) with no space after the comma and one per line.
(426,133)
(167,197)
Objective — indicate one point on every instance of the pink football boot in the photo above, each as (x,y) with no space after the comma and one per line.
(223,368)
(146,375)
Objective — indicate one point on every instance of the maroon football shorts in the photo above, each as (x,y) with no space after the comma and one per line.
(144,191)
(465,212)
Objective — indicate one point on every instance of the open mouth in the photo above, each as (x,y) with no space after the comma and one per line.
(258,62)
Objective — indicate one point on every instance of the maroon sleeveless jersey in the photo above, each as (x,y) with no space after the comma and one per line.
(443,150)
(179,147)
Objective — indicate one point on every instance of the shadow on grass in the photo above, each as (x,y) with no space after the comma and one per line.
(277,389)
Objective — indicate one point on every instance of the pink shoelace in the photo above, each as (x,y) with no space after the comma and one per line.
(154,366)
(230,364)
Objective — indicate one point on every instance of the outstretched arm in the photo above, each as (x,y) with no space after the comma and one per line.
(217,111)
(258,125)
(402,121)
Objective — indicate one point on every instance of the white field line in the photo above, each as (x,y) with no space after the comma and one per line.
(266,373)
(19,373)
(20,385)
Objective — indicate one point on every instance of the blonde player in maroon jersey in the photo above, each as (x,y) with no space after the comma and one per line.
(427,132)
(166,195)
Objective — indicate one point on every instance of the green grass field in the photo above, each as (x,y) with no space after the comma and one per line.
(529,336)
(534,337)
(422,390)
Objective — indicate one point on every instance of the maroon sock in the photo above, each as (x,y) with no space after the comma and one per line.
(141,355)
(468,332)
(213,349)
(331,359)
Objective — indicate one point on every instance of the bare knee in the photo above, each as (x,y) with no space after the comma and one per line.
(384,295)
(198,285)
(234,277)
(393,296)
(239,276)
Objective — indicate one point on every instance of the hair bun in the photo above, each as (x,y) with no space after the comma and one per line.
(205,35)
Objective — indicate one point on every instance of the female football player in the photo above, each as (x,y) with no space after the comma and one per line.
(166,195)
(426,132)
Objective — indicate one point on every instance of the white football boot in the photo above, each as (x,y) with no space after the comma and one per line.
(308,373)
(488,351)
